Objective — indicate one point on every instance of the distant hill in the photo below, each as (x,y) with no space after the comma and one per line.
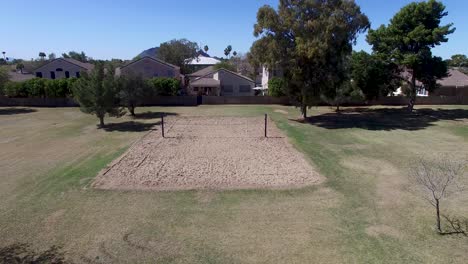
(152,52)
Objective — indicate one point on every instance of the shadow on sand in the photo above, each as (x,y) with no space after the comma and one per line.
(130,126)
(15,111)
(153,115)
(385,119)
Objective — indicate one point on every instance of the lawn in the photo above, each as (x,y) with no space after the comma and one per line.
(364,212)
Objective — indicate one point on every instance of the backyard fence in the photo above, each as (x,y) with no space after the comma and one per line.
(240,100)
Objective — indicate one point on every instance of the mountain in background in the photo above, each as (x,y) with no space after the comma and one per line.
(152,52)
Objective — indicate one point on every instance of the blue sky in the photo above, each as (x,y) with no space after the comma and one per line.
(121,29)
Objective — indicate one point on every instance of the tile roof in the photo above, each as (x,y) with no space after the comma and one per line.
(205,82)
(455,79)
(202,72)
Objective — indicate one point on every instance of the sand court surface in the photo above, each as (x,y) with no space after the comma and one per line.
(210,153)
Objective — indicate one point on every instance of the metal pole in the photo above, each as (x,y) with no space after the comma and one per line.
(162,124)
(265,125)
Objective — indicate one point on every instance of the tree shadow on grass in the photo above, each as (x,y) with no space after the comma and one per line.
(386,118)
(130,126)
(15,111)
(22,253)
(153,115)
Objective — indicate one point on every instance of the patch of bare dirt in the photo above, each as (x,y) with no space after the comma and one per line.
(210,153)
(379,230)
(281,111)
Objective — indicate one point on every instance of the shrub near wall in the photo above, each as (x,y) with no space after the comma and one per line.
(163,86)
(38,87)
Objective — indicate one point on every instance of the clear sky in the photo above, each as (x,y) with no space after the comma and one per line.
(107,29)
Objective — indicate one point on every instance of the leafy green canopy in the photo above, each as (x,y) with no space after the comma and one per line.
(178,52)
(276,87)
(373,75)
(458,60)
(132,90)
(97,93)
(228,65)
(408,39)
(309,40)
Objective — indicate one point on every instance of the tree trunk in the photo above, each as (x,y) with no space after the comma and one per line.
(439,228)
(413,94)
(131,108)
(304,111)
(337,107)
(101,121)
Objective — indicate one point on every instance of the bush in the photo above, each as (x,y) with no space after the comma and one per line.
(35,87)
(59,88)
(276,87)
(38,87)
(163,86)
(15,89)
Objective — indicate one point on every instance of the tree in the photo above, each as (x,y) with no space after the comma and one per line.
(234,53)
(131,91)
(178,52)
(458,60)
(4,77)
(52,56)
(437,180)
(308,40)
(42,55)
(225,65)
(408,41)
(227,50)
(373,75)
(97,93)
(276,87)
(3,52)
(243,66)
(20,66)
(79,56)
(206,48)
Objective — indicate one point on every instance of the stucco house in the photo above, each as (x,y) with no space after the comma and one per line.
(150,67)
(221,82)
(62,68)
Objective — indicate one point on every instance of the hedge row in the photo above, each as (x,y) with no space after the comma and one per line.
(163,86)
(39,87)
(62,88)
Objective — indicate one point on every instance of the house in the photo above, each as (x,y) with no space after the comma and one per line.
(62,68)
(265,75)
(455,84)
(150,67)
(202,61)
(221,82)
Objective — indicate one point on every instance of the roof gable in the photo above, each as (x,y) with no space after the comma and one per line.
(152,59)
(227,71)
(84,66)
(455,78)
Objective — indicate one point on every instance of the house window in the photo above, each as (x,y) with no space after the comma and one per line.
(244,88)
(59,69)
(39,74)
(67,74)
(52,75)
(227,89)
(77,74)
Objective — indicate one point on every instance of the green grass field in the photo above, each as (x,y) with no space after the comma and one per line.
(365,212)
